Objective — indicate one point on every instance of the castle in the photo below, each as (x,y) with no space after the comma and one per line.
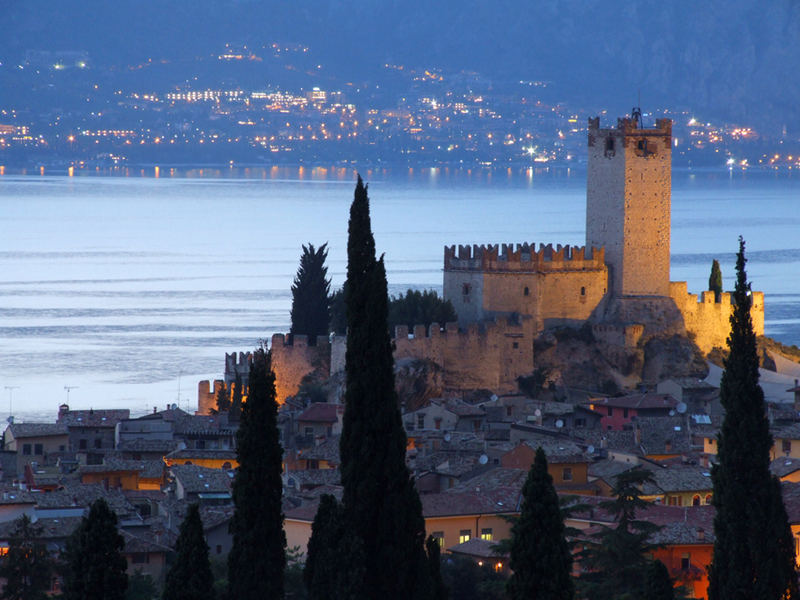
(507,294)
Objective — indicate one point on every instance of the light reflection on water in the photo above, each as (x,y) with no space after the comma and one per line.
(133,287)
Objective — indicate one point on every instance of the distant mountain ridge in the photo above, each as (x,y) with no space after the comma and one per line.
(738,60)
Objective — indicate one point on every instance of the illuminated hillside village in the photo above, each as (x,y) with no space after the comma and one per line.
(613,354)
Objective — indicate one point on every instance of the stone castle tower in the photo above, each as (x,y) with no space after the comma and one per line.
(628,203)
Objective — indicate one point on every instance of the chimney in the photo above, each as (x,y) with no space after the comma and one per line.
(63,410)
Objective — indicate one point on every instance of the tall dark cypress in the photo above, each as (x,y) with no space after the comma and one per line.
(659,585)
(94,565)
(190,577)
(380,501)
(310,312)
(715,280)
(257,560)
(540,557)
(753,548)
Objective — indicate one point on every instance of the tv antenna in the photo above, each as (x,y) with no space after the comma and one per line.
(69,388)
(10,389)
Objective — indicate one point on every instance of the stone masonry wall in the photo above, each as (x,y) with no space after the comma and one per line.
(708,320)
(555,286)
(293,361)
(628,204)
(487,356)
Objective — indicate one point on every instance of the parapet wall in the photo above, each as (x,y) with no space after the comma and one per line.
(523,257)
(708,319)
(293,357)
(207,395)
(489,355)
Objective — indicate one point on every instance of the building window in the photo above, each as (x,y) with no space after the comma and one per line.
(219,548)
(464,535)
(685,561)
(62,448)
(566,474)
(509,410)
(515,345)
(139,558)
(787,446)
(583,291)
(610,411)
(437,422)
(26,449)
(308,431)
(486,534)
(420,421)
(526,291)
(439,537)
(200,444)
(579,422)
(708,498)
(696,500)
(82,444)
(465,289)
(38,449)
(624,413)
(674,501)
(98,443)
(609,144)
(226,466)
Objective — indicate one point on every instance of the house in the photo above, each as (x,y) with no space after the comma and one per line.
(700,397)
(567,463)
(482,552)
(620,411)
(434,416)
(144,554)
(35,444)
(319,420)
(14,503)
(91,432)
(201,484)
(786,469)
(125,474)
(211,459)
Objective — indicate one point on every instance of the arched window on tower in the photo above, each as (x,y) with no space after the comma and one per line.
(526,291)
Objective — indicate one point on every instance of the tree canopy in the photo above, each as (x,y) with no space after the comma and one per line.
(419,308)
(310,311)
(94,566)
(257,558)
(26,567)
(189,577)
(754,554)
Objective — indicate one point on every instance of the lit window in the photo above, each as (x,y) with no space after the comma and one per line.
(464,535)
(486,534)
(439,537)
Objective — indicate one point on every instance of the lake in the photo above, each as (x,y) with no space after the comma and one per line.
(128,287)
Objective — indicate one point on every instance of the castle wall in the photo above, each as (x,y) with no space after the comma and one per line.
(555,286)
(628,204)
(294,360)
(708,320)
(207,396)
(487,356)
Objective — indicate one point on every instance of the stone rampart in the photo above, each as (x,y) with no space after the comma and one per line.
(489,355)
(207,395)
(293,357)
(523,257)
(709,320)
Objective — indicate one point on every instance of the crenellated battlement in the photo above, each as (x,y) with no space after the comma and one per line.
(280,340)
(523,257)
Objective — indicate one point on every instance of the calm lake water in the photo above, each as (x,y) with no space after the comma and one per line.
(129,288)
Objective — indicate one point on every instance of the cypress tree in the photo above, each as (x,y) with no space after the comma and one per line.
(235,412)
(257,559)
(715,280)
(95,568)
(659,584)
(753,548)
(334,562)
(380,501)
(540,557)
(310,294)
(190,576)
(433,550)
(26,567)
(223,399)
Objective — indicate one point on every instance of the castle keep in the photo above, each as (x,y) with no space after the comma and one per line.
(507,294)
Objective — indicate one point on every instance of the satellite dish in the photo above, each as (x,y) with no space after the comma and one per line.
(590,449)
(537,412)
(493,397)
(447,437)
(672,413)
(174,406)
(681,408)
(483,459)
(559,424)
